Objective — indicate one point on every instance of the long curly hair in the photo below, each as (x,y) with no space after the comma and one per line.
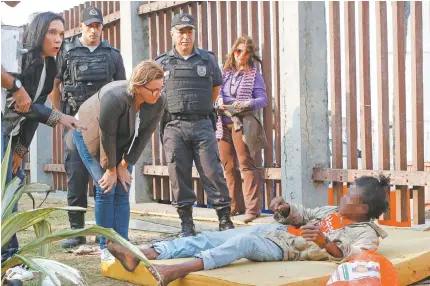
(230,63)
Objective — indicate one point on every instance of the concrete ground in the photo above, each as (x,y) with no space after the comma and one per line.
(204,214)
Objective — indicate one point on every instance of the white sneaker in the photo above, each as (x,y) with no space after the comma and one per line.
(47,282)
(19,273)
(106,256)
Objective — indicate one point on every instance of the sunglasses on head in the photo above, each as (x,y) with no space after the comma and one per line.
(238,52)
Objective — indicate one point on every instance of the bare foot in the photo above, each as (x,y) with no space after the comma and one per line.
(128,260)
(168,273)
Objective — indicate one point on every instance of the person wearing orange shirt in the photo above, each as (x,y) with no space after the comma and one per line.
(335,233)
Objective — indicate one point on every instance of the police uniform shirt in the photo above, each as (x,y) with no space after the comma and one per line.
(194,57)
(91,48)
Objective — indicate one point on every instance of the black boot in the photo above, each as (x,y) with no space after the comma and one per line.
(224,219)
(77,221)
(187,224)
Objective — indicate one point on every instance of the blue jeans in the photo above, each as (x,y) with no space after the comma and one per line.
(112,210)
(220,248)
(12,247)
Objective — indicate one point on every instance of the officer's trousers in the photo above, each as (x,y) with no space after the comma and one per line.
(188,141)
(77,181)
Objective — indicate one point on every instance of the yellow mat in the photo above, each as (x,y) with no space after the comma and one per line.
(408,250)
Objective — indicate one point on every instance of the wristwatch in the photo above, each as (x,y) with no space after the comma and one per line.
(16,85)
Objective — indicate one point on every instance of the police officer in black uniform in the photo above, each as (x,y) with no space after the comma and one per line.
(85,65)
(192,81)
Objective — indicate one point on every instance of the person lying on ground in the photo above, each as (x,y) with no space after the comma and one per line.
(325,233)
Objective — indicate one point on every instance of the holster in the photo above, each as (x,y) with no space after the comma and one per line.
(213,117)
(167,117)
(74,96)
(66,108)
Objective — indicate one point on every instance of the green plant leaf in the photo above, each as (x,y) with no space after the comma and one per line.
(32,199)
(43,228)
(92,230)
(21,220)
(4,165)
(37,188)
(10,197)
(51,268)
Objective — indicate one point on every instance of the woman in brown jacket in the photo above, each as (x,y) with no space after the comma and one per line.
(121,118)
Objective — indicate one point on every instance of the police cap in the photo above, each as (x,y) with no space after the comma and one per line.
(183,20)
(91,15)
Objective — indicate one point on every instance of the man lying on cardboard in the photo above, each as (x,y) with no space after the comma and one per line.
(325,233)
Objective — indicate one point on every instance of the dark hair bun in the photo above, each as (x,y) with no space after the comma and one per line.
(384,181)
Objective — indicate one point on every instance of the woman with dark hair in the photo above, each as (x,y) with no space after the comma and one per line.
(42,40)
(242,93)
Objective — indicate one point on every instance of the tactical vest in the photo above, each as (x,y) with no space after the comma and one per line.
(86,72)
(189,86)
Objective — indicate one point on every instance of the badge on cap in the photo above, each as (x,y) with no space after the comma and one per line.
(185,19)
(201,70)
(93,12)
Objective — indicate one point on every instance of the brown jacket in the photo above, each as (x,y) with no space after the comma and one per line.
(89,115)
(254,134)
(351,239)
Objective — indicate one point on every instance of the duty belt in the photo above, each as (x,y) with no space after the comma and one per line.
(189,117)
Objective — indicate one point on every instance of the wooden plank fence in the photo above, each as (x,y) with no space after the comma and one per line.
(111,32)
(220,23)
(218,27)
(417,178)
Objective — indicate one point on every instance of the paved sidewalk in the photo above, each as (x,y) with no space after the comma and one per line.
(199,214)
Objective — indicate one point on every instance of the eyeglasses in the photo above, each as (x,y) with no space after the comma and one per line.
(156,90)
(238,52)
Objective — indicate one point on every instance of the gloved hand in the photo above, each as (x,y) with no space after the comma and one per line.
(241,105)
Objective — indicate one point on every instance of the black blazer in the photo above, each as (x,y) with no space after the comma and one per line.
(117,122)
(38,112)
